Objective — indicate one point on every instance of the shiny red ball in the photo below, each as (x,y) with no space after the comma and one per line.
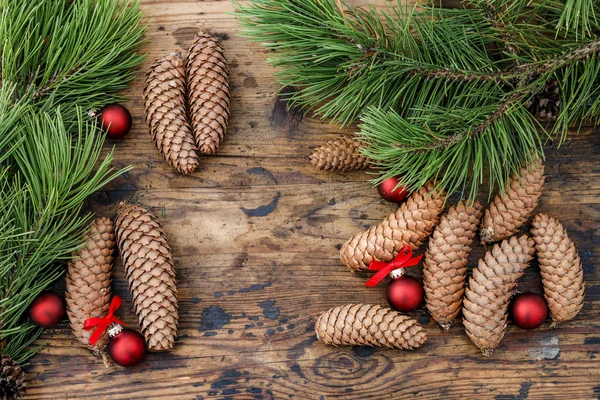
(127,348)
(387,192)
(529,310)
(116,120)
(405,293)
(47,310)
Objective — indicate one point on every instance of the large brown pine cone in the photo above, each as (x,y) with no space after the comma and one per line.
(369,325)
(88,280)
(12,379)
(208,89)
(342,154)
(562,272)
(507,213)
(445,265)
(409,225)
(150,274)
(490,289)
(166,113)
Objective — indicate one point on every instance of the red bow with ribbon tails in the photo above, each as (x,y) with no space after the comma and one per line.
(102,324)
(402,260)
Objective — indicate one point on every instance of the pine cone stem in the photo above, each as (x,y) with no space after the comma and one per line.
(369,325)
(490,289)
(342,154)
(409,225)
(88,281)
(208,88)
(150,274)
(508,212)
(445,264)
(166,113)
(561,269)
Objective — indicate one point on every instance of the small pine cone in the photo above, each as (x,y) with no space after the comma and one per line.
(445,265)
(342,154)
(150,275)
(409,225)
(88,281)
(12,379)
(369,325)
(490,289)
(562,273)
(208,86)
(164,99)
(508,212)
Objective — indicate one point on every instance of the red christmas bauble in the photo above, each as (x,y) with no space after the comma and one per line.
(529,310)
(387,192)
(405,293)
(47,310)
(116,120)
(127,348)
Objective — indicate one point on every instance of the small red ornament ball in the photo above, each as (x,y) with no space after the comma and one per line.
(47,310)
(116,120)
(405,293)
(127,348)
(529,310)
(387,192)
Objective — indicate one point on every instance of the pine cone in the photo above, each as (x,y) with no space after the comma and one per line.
(445,265)
(150,274)
(369,325)
(208,85)
(164,99)
(490,289)
(508,212)
(562,273)
(545,105)
(12,379)
(342,154)
(88,281)
(409,225)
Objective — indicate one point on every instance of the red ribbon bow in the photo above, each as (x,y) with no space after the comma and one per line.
(402,260)
(103,323)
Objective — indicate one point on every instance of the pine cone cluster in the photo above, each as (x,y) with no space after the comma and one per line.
(187,103)
(150,274)
(88,281)
(342,154)
(562,272)
(12,379)
(369,325)
(545,104)
(490,288)
(445,264)
(509,211)
(410,225)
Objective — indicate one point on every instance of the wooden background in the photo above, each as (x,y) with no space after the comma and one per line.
(255,234)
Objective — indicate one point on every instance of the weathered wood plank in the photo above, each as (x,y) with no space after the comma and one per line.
(255,234)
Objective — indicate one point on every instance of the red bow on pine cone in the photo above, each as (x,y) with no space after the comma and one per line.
(402,260)
(102,324)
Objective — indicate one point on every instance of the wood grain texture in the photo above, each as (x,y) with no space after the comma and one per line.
(255,233)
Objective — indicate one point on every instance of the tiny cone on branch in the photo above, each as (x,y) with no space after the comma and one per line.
(445,265)
(208,89)
(12,379)
(490,288)
(409,225)
(166,114)
(150,275)
(88,281)
(342,154)
(561,269)
(369,325)
(508,212)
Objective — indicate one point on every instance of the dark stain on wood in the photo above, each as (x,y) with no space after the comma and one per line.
(270,311)
(263,172)
(250,82)
(262,211)
(286,115)
(592,340)
(363,351)
(255,287)
(185,35)
(523,393)
(213,317)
